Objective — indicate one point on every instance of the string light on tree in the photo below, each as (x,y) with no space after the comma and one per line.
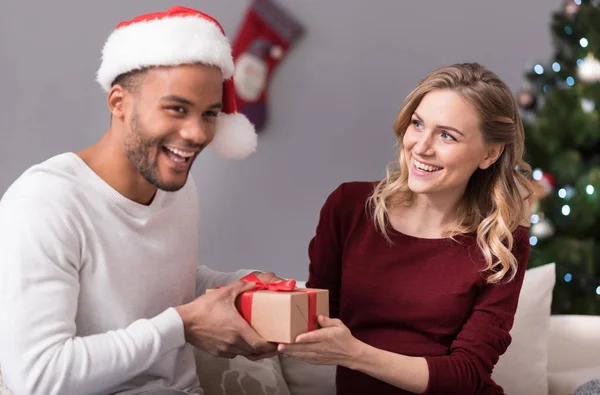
(570,81)
(556,66)
(588,105)
(566,210)
(589,69)
(589,189)
(568,277)
(562,193)
(539,69)
(566,192)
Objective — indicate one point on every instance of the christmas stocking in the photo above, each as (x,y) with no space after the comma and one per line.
(265,37)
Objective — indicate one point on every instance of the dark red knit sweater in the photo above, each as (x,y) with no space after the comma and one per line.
(416,297)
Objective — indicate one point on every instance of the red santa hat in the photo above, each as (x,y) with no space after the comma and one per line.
(174,37)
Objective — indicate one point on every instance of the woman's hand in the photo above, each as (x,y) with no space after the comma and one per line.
(333,344)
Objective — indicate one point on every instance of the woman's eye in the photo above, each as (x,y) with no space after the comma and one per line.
(447,137)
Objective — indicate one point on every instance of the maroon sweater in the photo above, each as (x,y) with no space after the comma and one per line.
(416,297)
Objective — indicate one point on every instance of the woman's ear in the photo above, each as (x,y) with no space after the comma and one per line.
(493,153)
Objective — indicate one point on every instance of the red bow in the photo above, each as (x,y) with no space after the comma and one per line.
(281,286)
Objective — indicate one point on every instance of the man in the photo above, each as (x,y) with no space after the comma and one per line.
(99,248)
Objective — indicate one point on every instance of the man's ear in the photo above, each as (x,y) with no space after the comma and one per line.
(493,153)
(116,101)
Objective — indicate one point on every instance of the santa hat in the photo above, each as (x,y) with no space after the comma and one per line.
(179,36)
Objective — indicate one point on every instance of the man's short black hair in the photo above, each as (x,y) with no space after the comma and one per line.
(131,81)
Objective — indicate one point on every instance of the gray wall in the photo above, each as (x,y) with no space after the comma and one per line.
(332,103)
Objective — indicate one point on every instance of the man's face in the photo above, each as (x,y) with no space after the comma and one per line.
(171,118)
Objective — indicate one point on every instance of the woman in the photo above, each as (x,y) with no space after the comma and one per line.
(425,267)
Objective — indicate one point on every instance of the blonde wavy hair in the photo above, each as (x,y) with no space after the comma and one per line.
(495,201)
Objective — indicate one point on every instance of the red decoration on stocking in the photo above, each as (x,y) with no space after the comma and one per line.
(264,39)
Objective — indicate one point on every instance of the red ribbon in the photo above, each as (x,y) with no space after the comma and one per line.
(281,286)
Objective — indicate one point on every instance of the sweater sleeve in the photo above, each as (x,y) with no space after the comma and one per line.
(484,336)
(208,278)
(40,352)
(325,251)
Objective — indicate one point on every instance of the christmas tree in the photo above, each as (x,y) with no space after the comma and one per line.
(560,105)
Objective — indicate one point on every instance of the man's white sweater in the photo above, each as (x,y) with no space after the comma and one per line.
(88,282)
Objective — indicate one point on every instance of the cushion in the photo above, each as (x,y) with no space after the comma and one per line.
(240,376)
(574,342)
(306,379)
(3,389)
(567,382)
(523,368)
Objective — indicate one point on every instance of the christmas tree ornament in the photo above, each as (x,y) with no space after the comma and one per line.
(588,105)
(570,8)
(542,230)
(542,185)
(547,182)
(589,69)
(527,99)
(266,36)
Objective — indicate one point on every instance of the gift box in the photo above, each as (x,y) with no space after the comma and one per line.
(279,312)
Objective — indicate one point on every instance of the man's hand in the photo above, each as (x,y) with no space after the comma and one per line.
(212,323)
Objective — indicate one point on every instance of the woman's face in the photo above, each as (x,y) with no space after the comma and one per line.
(444,145)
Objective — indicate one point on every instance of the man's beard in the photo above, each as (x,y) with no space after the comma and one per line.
(139,148)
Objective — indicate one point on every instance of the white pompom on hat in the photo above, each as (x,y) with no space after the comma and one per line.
(174,37)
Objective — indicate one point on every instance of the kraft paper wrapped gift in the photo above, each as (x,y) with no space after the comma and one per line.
(279,312)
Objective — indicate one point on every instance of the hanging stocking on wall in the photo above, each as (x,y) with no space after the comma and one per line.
(266,36)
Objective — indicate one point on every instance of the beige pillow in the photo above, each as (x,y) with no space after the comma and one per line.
(3,389)
(306,379)
(567,382)
(523,369)
(240,376)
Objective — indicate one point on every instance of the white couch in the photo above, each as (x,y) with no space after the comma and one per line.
(573,359)
(549,355)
